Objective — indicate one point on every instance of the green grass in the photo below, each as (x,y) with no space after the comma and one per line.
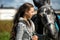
(4,35)
(5,29)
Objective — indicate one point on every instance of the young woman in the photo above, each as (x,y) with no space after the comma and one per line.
(23,28)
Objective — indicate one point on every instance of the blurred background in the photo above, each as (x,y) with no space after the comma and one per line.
(8,8)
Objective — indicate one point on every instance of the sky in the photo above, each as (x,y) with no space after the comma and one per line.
(16,3)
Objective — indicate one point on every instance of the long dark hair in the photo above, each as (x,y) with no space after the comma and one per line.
(20,13)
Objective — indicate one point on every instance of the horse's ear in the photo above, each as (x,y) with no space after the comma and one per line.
(38,3)
(48,1)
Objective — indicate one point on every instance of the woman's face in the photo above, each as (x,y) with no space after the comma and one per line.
(30,13)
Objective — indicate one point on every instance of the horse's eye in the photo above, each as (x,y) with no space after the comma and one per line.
(48,11)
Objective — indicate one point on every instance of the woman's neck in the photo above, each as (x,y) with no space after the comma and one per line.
(26,19)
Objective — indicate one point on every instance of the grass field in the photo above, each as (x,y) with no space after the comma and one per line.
(6,25)
(5,29)
(4,35)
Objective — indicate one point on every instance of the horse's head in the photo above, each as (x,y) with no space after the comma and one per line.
(46,15)
(45,11)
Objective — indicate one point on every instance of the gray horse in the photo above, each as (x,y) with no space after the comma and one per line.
(45,21)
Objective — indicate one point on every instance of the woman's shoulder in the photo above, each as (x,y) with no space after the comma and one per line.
(22,20)
(21,24)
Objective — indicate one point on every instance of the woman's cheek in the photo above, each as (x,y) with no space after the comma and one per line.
(31,14)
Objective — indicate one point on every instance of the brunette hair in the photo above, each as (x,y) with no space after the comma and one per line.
(22,9)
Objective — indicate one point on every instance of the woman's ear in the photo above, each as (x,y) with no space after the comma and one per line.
(26,12)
